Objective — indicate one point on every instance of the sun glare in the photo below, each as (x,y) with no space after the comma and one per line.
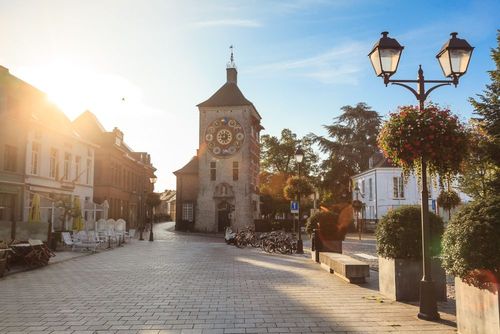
(75,89)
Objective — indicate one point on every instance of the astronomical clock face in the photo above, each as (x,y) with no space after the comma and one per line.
(224,137)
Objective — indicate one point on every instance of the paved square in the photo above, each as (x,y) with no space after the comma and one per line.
(196,284)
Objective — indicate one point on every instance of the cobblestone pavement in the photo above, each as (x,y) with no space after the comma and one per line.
(188,284)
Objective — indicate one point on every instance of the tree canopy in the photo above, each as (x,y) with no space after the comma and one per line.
(351,141)
(487,106)
(278,154)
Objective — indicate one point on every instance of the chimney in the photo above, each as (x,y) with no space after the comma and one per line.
(232,75)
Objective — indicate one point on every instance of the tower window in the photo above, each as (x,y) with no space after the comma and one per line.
(235,171)
(213,171)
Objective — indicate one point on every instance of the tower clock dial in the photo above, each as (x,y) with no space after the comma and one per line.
(224,137)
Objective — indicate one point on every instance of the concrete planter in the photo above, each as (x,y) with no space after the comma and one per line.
(478,310)
(399,279)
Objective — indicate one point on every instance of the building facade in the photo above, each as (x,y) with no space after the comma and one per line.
(122,176)
(382,188)
(40,153)
(219,187)
(167,205)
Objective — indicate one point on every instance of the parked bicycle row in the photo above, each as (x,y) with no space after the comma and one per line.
(270,242)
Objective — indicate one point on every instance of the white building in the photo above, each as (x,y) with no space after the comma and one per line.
(59,165)
(382,188)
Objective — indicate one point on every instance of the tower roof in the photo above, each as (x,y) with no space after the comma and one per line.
(228,95)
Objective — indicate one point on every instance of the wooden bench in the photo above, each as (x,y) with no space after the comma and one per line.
(346,267)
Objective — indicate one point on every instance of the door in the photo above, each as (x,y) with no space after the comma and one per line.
(223,216)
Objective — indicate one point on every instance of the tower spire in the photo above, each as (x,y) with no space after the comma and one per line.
(231,63)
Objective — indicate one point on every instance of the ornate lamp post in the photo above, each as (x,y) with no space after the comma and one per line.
(299,156)
(454,58)
(357,205)
(153,181)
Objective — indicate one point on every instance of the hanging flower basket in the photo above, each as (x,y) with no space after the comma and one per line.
(434,134)
(448,199)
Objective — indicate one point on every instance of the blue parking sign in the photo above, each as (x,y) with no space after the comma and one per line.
(294,206)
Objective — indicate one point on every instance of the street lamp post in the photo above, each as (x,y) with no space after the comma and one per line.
(454,58)
(153,181)
(357,206)
(299,156)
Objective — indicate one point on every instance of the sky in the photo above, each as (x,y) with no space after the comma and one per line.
(143,66)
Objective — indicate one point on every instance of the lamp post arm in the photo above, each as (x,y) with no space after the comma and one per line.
(421,94)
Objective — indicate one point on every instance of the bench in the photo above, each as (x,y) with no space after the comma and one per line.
(344,266)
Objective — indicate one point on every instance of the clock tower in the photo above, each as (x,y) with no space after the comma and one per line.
(227,161)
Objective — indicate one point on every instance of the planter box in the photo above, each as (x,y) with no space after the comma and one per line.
(478,310)
(399,279)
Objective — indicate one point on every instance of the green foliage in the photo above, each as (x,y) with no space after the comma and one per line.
(434,134)
(399,233)
(478,171)
(470,243)
(278,154)
(329,225)
(351,141)
(487,106)
(448,199)
(295,186)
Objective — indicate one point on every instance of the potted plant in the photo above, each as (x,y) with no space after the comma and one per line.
(399,246)
(471,253)
(330,232)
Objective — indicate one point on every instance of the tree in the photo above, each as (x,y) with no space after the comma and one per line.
(296,186)
(278,154)
(351,141)
(487,106)
(278,164)
(477,171)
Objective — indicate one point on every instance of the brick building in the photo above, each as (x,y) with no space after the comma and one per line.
(122,176)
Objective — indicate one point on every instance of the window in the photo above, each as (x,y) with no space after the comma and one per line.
(213,171)
(398,187)
(54,165)
(235,171)
(89,171)
(363,187)
(370,189)
(67,166)
(187,212)
(35,157)
(78,168)
(10,158)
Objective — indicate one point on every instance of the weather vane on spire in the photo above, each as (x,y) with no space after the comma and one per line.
(231,59)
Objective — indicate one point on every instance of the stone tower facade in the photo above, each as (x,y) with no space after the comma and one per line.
(228,160)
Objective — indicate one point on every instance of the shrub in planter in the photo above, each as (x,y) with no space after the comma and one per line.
(399,234)
(471,253)
(399,246)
